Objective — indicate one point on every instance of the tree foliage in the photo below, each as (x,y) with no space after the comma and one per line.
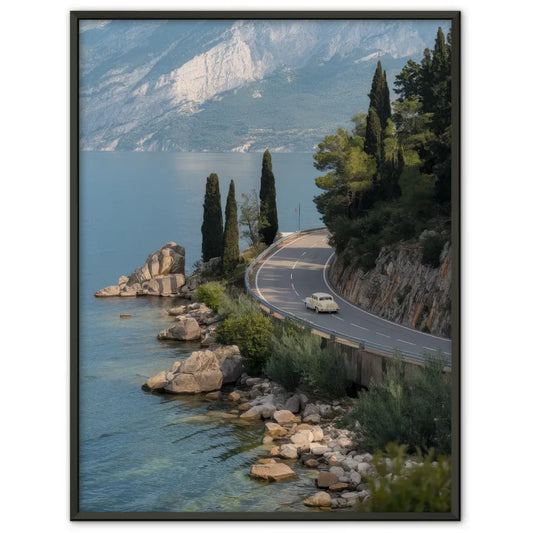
(251,219)
(212,232)
(267,196)
(230,255)
(389,177)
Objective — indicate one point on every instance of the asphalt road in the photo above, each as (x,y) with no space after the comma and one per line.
(298,268)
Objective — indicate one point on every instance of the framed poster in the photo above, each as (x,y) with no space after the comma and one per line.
(265,265)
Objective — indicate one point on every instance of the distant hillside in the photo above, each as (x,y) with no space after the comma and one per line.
(232,85)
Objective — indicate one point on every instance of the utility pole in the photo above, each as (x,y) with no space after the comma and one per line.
(298,216)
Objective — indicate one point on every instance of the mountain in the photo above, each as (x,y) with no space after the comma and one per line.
(222,85)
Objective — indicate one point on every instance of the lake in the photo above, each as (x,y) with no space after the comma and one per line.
(146,452)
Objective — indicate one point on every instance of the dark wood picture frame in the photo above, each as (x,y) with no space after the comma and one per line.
(75,18)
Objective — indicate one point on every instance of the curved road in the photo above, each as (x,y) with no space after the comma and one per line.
(299,267)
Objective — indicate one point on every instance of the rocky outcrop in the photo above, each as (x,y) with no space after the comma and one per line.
(184,329)
(272,472)
(202,371)
(401,288)
(163,274)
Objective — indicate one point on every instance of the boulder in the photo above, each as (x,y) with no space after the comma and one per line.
(186,329)
(231,367)
(159,381)
(310,409)
(272,472)
(177,311)
(169,259)
(363,468)
(213,396)
(320,499)
(233,396)
(267,410)
(318,434)
(288,451)
(317,449)
(112,290)
(312,419)
(293,404)
(355,478)
(302,438)
(253,414)
(311,463)
(325,479)
(267,461)
(284,417)
(267,440)
(200,372)
(275,430)
(338,487)
(337,471)
(345,442)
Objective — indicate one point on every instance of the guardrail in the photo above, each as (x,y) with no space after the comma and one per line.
(333,335)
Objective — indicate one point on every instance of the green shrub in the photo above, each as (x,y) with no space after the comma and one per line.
(210,294)
(415,412)
(297,359)
(291,346)
(326,372)
(421,489)
(431,249)
(237,303)
(252,334)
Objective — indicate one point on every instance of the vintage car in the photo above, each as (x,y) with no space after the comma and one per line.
(321,302)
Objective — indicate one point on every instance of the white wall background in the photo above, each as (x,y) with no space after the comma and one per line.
(497,187)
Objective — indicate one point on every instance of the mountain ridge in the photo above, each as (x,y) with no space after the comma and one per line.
(232,85)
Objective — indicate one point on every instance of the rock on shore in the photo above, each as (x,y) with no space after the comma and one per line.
(202,371)
(163,274)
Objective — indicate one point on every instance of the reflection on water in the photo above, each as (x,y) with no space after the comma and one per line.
(142,451)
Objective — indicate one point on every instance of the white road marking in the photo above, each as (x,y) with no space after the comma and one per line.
(292,267)
(426,348)
(304,253)
(338,318)
(406,342)
(294,290)
(382,334)
(355,325)
(291,275)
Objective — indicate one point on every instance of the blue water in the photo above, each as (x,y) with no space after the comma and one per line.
(145,452)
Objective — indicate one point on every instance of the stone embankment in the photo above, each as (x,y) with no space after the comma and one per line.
(401,288)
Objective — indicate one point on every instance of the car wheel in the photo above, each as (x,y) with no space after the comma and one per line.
(316,309)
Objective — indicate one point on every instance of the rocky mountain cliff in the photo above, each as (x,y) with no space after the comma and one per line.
(400,288)
(220,85)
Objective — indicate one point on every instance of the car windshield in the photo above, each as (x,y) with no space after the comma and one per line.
(326,298)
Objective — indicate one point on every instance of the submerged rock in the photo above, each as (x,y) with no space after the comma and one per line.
(320,499)
(272,472)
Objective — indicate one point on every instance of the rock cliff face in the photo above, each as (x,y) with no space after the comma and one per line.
(400,288)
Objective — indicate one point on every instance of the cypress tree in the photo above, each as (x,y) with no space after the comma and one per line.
(380,95)
(230,256)
(373,135)
(212,223)
(267,196)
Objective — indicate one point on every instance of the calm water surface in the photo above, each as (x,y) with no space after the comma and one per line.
(139,451)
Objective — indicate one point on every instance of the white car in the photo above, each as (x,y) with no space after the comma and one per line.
(321,302)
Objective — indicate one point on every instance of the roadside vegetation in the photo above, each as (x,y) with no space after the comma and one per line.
(424,487)
(389,178)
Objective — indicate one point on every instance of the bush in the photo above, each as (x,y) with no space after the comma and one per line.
(326,372)
(210,294)
(431,249)
(237,303)
(252,334)
(414,412)
(291,346)
(297,359)
(422,488)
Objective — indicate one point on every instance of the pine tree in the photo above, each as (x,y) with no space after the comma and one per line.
(267,196)
(230,256)
(380,96)
(212,232)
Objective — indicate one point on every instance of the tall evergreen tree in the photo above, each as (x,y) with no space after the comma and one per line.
(267,196)
(230,255)
(212,229)
(380,96)
(373,139)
